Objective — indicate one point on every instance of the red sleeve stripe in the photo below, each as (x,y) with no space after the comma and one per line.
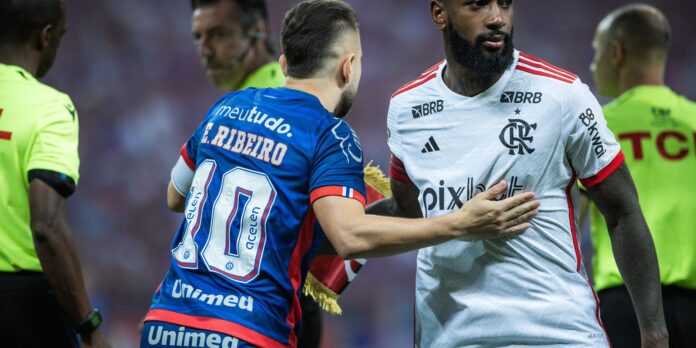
(547,64)
(546,68)
(541,73)
(397,171)
(187,159)
(605,172)
(343,191)
(414,84)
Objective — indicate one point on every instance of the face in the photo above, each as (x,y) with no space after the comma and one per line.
(223,46)
(351,91)
(479,34)
(48,55)
(603,71)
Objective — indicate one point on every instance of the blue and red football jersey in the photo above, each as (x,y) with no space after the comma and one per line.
(241,254)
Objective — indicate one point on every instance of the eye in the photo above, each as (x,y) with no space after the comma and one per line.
(505,3)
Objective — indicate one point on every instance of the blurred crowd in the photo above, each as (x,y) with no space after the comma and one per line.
(130,67)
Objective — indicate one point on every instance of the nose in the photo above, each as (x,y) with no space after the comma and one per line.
(495,19)
(204,50)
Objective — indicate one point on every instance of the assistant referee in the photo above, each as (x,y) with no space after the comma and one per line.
(656,128)
(43,300)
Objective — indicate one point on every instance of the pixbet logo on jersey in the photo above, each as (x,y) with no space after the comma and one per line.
(521,97)
(426,109)
(516,136)
(451,197)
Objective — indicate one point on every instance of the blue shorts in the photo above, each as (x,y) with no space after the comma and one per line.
(161,334)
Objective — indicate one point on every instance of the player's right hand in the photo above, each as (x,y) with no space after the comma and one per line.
(486,218)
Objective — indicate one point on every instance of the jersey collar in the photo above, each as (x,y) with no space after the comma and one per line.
(16,71)
(268,75)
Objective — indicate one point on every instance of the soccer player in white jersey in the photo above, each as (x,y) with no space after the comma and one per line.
(486,113)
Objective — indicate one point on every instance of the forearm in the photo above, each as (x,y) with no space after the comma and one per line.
(61,267)
(376,236)
(635,256)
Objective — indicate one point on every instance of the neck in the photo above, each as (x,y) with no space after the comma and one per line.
(328,94)
(466,82)
(12,55)
(641,74)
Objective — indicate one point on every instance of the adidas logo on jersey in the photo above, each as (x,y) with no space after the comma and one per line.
(426,109)
(521,97)
(430,146)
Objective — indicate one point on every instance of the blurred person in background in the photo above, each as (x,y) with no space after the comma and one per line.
(262,170)
(488,112)
(657,129)
(43,298)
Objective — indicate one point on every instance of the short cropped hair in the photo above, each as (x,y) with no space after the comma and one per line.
(309,31)
(642,28)
(250,12)
(19,19)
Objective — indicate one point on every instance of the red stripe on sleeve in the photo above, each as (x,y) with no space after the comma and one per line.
(414,85)
(187,159)
(547,63)
(605,172)
(336,191)
(397,171)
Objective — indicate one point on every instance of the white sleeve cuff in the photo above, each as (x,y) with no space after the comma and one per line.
(182,176)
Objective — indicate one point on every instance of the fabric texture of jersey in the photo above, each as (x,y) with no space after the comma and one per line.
(268,75)
(657,130)
(538,127)
(240,257)
(38,130)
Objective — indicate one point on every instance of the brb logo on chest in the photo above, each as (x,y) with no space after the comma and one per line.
(521,97)
(426,109)
(516,137)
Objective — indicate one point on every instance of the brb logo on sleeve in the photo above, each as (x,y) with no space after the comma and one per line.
(426,109)
(516,136)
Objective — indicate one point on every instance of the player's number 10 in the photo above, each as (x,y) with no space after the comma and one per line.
(240,209)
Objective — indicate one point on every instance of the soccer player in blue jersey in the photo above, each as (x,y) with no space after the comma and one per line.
(261,172)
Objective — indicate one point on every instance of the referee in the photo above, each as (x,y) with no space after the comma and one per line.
(43,300)
(656,128)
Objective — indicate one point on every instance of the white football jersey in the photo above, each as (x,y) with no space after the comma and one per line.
(540,129)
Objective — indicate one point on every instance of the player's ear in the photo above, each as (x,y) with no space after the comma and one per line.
(618,52)
(44,37)
(347,68)
(283,64)
(438,12)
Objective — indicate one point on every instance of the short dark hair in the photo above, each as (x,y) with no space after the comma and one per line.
(19,19)
(642,28)
(309,30)
(250,12)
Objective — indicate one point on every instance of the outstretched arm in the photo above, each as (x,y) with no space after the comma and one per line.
(634,251)
(357,235)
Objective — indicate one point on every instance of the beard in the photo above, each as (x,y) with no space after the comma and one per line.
(345,103)
(475,57)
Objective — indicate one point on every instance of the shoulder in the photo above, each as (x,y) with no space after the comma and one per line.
(415,91)
(562,85)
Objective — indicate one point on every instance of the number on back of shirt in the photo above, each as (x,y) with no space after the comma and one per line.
(236,238)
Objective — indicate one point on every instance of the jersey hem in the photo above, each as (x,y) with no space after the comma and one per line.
(343,191)
(219,325)
(605,172)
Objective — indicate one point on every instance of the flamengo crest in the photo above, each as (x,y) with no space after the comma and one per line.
(516,136)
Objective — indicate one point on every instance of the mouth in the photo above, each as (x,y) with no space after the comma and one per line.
(494,42)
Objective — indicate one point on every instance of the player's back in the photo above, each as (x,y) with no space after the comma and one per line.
(261,157)
(657,131)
